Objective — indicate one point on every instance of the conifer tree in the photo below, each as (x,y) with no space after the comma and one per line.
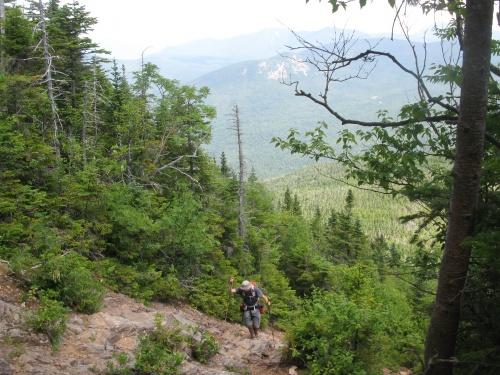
(349,203)
(316,222)
(296,208)
(394,256)
(224,168)
(332,220)
(379,254)
(287,200)
(17,42)
(252,178)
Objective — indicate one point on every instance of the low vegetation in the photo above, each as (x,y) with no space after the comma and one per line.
(204,347)
(160,351)
(49,317)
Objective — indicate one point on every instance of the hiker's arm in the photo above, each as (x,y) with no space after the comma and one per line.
(231,289)
(268,301)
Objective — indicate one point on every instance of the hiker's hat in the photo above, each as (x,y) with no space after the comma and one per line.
(246,285)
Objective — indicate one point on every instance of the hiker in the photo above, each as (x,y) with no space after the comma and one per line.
(250,307)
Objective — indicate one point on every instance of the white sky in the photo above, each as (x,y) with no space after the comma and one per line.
(126,27)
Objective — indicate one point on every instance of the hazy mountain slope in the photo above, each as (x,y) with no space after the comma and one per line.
(246,70)
(269,108)
(191,60)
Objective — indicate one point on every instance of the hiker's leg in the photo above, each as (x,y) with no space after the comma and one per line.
(256,321)
(247,320)
(252,332)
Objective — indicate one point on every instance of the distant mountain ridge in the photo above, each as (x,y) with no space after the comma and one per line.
(246,70)
(189,61)
(269,108)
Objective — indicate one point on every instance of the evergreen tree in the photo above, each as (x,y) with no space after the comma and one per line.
(332,220)
(394,256)
(316,222)
(379,254)
(16,41)
(296,208)
(349,203)
(253,176)
(287,201)
(224,168)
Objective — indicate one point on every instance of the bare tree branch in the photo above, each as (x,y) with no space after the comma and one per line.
(392,124)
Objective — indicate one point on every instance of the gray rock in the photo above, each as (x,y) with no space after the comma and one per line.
(92,340)
(15,333)
(5,367)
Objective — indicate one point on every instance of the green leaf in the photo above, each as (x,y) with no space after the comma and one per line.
(362,3)
(334,4)
(392,3)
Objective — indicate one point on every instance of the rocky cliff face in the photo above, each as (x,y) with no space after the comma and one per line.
(91,341)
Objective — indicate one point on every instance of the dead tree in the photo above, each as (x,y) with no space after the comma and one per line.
(2,34)
(48,75)
(95,114)
(85,122)
(2,17)
(241,183)
(92,95)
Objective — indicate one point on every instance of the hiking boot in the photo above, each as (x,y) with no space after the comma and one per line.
(252,332)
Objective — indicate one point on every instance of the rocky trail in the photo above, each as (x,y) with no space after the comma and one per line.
(91,341)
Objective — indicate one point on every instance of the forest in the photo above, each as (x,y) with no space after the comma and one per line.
(106,185)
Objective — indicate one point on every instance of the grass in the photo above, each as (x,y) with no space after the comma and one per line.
(319,186)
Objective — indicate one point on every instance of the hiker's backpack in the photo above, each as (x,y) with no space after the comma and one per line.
(262,308)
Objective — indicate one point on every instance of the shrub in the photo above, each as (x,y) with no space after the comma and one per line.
(360,328)
(23,265)
(50,318)
(204,348)
(142,282)
(327,334)
(69,276)
(211,295)
(121,367)
(168,288)
(159,351)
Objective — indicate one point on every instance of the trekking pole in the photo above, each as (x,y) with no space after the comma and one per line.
(230,284)
(271,325)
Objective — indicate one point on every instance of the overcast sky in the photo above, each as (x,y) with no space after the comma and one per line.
(126,27)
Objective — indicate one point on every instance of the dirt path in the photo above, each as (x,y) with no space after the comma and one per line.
(91,341)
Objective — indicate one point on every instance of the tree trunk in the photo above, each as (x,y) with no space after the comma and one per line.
(94,100)
(47,58)
(443,329)
(84,123)
(2,17)
(2,34)
(241,185)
